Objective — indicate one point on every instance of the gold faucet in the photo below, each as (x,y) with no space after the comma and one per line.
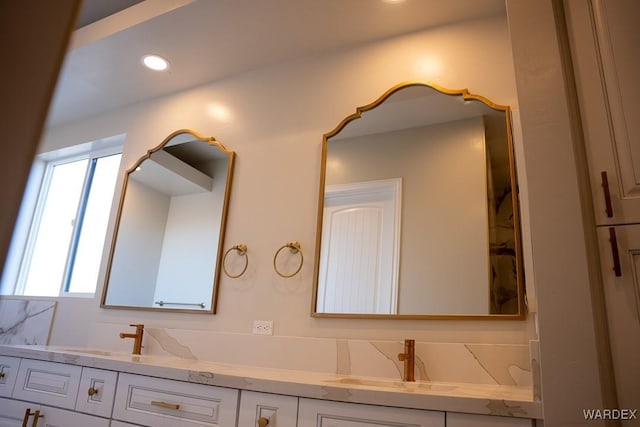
(137,338)
(408,357)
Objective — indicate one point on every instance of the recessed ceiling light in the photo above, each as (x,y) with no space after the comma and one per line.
(155,62)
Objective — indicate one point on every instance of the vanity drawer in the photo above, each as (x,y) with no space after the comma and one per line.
(14,413)
(277,410)
(8,373)
(97,391)
(165,403)
(323,413)
(50,383)
(472,420)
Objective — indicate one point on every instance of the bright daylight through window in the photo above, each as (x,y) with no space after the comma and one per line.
(59,235)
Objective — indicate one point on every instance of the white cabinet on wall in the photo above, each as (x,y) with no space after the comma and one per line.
(620,249)
(322,413)
(604,46)
(604,43)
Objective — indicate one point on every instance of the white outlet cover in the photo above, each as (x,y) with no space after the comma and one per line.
(263,327)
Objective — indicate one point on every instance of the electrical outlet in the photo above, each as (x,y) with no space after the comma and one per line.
(263,327)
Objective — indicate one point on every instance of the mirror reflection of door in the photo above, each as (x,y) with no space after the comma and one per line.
(359,262)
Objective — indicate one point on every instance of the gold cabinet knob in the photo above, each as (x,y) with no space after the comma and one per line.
(92,391)
(2,375)
(262,422)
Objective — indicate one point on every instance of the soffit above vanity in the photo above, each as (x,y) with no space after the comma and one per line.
(206,41)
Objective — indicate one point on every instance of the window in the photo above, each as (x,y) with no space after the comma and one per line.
(59,235)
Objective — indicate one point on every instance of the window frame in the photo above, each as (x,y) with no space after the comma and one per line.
(34,200)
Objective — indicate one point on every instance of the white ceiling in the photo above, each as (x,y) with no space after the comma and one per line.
(208,40)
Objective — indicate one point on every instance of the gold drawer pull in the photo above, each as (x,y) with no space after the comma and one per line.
(165,405)
(263,422)
(2,375)
(92,391)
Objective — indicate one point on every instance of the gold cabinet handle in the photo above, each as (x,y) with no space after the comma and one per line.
(2,375)
(165,405)
(36,416)
(263,422)
(92,391)
(27,414)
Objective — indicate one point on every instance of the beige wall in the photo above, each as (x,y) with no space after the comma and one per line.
(276,120)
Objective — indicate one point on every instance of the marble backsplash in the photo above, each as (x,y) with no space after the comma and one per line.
(25,322)
(500,364)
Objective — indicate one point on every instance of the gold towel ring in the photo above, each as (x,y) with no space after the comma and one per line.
(241,249)
(294,247)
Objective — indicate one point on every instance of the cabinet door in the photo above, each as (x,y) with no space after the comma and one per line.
(620,258)
(472,420)
(8,372)
(322,413)
(604,43)
(274,409)
(96,392)
(54,417)
(12,412)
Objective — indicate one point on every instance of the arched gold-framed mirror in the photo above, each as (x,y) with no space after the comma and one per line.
(418,212)
(166,250)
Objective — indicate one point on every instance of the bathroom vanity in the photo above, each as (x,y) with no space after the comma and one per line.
(68,386)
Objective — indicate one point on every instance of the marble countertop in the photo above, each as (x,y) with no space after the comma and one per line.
(486,399)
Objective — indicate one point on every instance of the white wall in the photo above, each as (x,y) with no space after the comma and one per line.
(275,124)
(138,247)
(188,261)
(444,209)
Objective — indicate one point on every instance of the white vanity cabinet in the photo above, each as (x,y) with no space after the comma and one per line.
(8,373)
(322,413)
(70,395)
(273,409)
(159,402)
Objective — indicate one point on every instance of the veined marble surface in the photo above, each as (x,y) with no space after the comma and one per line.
(490,399)
(25,322)
(488,364)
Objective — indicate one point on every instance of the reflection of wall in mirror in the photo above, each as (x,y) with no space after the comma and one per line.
(139,245)
(190,246)
(444,267)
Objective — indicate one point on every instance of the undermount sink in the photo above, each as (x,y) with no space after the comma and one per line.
(89,351)
(392,383)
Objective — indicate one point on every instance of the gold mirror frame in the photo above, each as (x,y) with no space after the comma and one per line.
(466,96)
(223,223)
